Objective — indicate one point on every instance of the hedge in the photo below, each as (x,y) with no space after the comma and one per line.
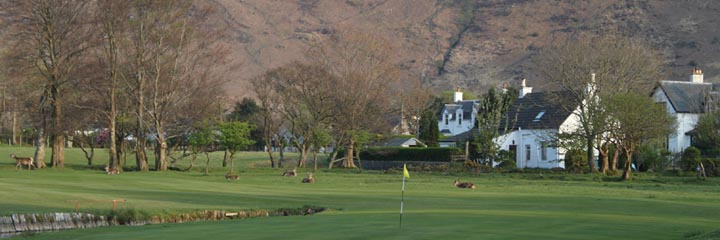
(430,154)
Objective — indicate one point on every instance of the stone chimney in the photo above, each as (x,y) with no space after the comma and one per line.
(696,76)
(524,89)
(458,96)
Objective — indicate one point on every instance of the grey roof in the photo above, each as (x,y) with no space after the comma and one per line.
(526,112)
(688,97)
(466,106)
(462,137)
(397,142)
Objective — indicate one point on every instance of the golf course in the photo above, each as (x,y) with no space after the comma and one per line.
(364,204)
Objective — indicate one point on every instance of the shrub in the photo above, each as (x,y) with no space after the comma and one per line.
(690,159)
(507,165)
(431,154)
(575,160)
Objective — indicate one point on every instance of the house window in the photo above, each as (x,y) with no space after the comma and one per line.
(527,152)
(459,119)
(447,119)
(543,151)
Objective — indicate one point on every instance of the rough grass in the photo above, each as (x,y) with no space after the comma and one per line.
(505,206)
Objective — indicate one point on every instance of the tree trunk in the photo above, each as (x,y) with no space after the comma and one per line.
(225,158)
(627,173)
(58,151)
(357,155)
(303,154)
(702,174)
(192,162)
(614,162)
(58,138)
(140,156)
(348,162)
(332,157)
(89,156)
(114,160)
(14,129)
(232,161)
(604,156)
(282,155)
(590,155)
(268,145)
(119,149)
(40,149)
(207,164)
(315,160)
(161,163)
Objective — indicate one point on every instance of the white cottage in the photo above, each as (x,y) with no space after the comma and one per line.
(531,127)
(459,116)
(686,101)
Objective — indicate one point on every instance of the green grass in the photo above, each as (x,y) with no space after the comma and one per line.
(504,206)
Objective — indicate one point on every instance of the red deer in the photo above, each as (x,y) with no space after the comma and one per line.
(308,179)
(229,176)
(292,173)
(109,170)
(459,184)
(23,161)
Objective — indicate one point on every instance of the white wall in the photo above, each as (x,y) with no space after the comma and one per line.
(677,141)
(453,125)
(685,122)
(534,139)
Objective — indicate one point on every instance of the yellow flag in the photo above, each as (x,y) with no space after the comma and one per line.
(405,171)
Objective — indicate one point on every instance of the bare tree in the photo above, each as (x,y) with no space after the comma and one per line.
(363,69)
(270,120)
(175,56)
(619,64)
(54,35)
(306,102)
(414,100)
(112,20)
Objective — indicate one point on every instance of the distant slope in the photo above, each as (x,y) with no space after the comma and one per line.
(466,43)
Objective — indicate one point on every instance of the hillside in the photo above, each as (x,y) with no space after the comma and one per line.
(466,43)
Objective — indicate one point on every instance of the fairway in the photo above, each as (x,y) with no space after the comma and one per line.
(366,205)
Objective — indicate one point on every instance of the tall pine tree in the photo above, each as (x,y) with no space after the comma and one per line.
(429,132)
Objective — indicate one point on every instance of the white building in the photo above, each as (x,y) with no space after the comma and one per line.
(686,101)
(531,127)
(459,116)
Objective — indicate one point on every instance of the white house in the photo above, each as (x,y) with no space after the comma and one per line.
(459,116)
(686,101)
(531,127)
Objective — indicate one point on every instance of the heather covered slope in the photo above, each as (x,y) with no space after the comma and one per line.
(472,44)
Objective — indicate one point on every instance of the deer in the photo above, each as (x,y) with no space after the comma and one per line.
(23,161)
(292,173)
(230,176)
(459,184)
(308,179)
(110,171)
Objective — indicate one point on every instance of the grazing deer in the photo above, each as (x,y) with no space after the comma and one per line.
(459,184)
(23,161)
(309,178)
(292,173)
(229,176)
(109,170)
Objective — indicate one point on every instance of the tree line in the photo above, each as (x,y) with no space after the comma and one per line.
(347,92)
(142,70)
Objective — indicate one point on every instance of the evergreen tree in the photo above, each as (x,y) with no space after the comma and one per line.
(429,131)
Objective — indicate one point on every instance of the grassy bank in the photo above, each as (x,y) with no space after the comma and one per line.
(505,206)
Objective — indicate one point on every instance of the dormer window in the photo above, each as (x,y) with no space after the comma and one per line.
(459,118)
(537,118)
